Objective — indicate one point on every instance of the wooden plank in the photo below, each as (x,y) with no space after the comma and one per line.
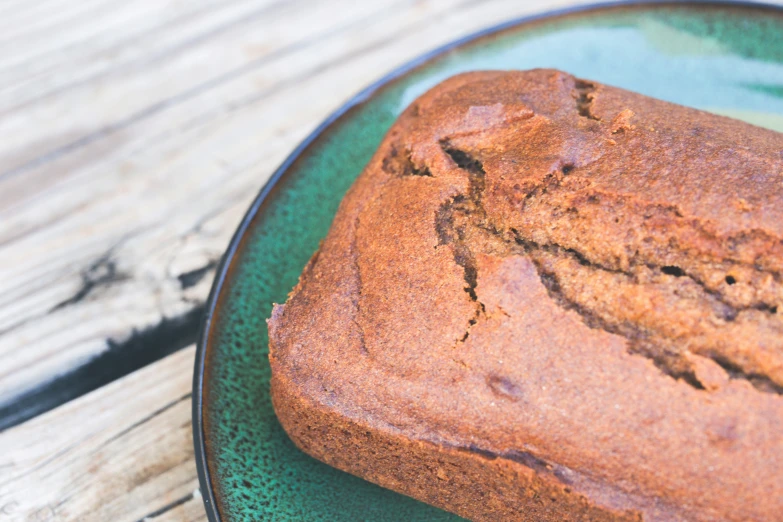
(123,80)
(121,453)
(114,213)
(64,43)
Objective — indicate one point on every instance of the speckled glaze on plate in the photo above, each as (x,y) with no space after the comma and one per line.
(722,57)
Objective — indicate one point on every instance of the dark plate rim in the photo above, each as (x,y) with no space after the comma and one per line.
(221,276)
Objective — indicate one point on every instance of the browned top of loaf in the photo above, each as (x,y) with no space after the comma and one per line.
(537,265)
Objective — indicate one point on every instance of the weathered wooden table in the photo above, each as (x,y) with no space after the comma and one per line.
(134,136)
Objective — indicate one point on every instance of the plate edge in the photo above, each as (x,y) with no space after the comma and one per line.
(206,485)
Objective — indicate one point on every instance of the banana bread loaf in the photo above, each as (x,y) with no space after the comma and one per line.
(548,299)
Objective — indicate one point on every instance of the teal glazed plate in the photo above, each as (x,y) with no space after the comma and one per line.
(722,57)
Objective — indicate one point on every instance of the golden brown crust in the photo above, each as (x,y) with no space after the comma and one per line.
(560,296)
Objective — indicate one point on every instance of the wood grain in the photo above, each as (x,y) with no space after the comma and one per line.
(135,136)
(121,453)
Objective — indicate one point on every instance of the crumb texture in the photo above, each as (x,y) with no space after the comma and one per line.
(550,299)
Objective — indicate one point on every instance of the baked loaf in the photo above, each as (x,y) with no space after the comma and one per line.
(548,299)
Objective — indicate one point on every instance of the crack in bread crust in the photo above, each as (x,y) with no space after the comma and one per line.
(452,220)
(563,269)
(584,98)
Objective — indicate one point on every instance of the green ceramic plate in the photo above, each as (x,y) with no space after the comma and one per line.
(725,58)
